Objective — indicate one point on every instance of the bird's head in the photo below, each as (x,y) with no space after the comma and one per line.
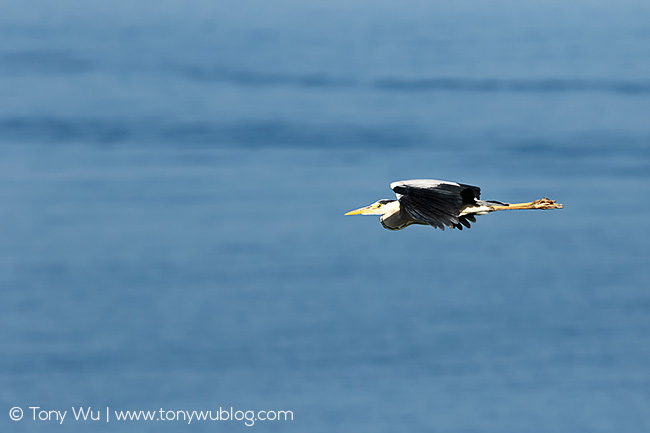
(380,207)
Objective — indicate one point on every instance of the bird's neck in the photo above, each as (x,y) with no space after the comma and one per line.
(395,218)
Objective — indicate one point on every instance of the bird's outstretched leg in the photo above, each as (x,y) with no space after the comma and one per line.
(542,203)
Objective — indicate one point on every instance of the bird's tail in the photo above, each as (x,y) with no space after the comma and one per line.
(490,203)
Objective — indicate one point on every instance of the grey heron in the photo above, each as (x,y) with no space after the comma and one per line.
(440,204)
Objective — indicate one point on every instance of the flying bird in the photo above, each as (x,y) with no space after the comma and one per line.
(440,204)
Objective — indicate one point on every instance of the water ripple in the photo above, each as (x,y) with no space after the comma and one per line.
(251,134)
(548,85)
(426,84)
(43,62)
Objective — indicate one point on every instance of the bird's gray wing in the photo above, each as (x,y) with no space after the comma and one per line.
(435,202)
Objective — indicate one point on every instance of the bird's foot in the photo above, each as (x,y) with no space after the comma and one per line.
(545,203)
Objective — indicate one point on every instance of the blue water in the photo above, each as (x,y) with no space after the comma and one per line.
(173,178)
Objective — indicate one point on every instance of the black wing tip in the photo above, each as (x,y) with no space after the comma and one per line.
(464,221)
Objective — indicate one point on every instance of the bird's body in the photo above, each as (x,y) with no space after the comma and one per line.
(440,204)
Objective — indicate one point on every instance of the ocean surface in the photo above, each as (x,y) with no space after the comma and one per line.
(173,179)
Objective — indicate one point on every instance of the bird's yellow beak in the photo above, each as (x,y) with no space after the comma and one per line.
(366,210)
